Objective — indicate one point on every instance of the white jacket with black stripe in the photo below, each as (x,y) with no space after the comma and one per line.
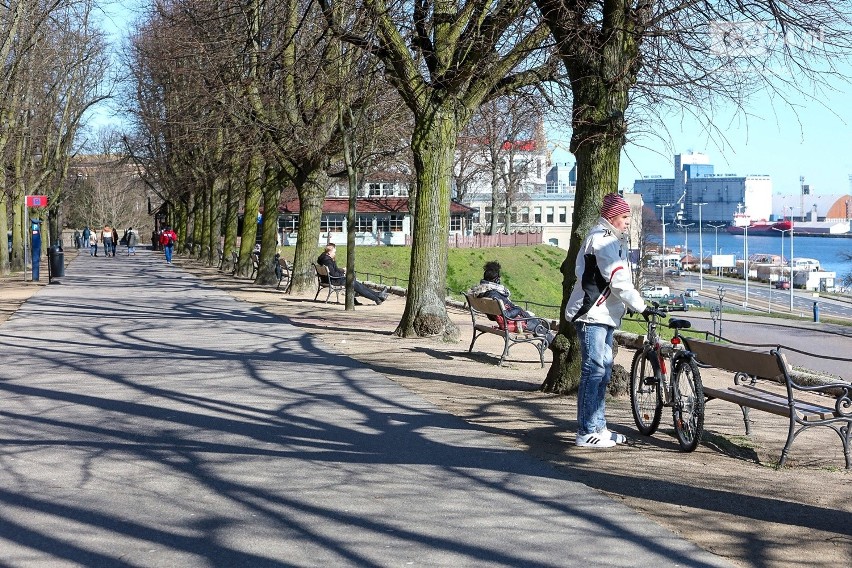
(604,285)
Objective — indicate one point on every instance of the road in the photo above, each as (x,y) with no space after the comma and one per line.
(762,298)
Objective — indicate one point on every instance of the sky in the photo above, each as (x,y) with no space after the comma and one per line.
(814,141)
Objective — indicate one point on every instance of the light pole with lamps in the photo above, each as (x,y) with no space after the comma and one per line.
(685,227)
(663,222)
(782,231)
(716,234)
(745,264)
(700,248)
(792,274)
(721,291)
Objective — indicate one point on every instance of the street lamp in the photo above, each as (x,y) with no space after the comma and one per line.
(663,259)
(714,315)
(685,227)
(745,264)
(700,248)
(721,291)
(716,233)
(782,231)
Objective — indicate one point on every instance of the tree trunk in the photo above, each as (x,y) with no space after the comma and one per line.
(250,211)
(269,237)
(214,231)
(312,193)
(4,226)
(433,144)
(19,232)
(230,224)
(495,197)
(597,175)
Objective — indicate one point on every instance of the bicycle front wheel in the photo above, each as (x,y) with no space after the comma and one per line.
(688,403)
(646,400)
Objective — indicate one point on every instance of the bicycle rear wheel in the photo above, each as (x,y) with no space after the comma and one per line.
(688,403)
(646,400)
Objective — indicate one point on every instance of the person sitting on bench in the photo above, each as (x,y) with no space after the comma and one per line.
(490,287)
(338,276)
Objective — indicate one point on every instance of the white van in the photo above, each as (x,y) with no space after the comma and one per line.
(655,292)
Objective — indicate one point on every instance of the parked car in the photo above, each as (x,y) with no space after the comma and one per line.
(783,284)
(695,302)
(655,292)
(691,293)
(674,304)
(675,272)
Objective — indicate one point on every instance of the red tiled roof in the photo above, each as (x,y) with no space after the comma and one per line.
(522,145)
(364,205)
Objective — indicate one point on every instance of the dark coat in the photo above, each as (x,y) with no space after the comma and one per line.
(334,272)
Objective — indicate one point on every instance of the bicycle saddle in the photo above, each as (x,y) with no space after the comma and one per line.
(679,324)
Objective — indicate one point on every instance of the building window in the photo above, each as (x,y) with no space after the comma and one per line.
(488,214)
(524,215)
(332,224)
(563,214)
(395,223)
(456,222)
(291,224)
(550,214)
(537,215)
(363,224)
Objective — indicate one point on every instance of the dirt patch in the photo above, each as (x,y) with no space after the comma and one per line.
(727,496)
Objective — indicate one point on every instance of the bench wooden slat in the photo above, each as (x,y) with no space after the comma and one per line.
(808,410)
(747,399)
(759,364)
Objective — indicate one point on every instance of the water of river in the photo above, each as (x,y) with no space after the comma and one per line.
(826,250)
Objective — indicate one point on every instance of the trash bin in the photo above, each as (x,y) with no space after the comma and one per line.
(56,258)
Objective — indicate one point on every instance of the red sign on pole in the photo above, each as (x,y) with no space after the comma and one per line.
(36,201)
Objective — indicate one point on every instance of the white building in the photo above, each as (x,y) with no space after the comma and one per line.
(695,181)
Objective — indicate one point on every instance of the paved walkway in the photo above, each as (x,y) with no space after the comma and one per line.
(149,419)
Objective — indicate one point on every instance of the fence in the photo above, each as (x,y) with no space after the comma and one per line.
(488,241)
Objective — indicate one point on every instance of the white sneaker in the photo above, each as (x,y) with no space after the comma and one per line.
(596,440)
(616,437)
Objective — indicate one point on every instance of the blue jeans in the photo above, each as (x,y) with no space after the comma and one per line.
(168,250)
(596,371)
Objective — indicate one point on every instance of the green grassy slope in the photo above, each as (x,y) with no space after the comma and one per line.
(530,272)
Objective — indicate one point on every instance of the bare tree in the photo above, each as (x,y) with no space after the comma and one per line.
(53,62)
(636,60)
(445,59)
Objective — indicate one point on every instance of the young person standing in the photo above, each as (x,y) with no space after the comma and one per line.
(603,290)
(168,238)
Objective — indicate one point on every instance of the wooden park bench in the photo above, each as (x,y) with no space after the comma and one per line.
(501,325)
(283,271)
(255,263)
(755,375)
(326,283)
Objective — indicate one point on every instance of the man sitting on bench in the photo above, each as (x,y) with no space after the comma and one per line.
(490,287)
(338,276)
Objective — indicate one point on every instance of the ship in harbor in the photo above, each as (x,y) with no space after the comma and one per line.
(761,228)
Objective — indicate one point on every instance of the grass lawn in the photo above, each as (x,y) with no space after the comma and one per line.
(530,272)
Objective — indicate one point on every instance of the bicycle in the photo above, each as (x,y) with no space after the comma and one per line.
(651,388)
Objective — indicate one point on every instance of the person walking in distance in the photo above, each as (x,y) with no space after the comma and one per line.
(168,238)
(106,239)
(597,303)
(132,241)
(93,244)
(87,233)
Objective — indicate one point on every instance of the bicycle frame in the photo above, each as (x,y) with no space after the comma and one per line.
(667,376)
